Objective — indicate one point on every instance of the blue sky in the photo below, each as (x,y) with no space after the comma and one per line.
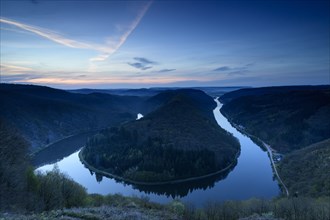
(115,44)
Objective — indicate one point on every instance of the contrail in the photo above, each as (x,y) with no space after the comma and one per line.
(47,34)
(106,50)
(124,37)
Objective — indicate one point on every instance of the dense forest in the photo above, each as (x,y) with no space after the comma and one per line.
(307,171)
(287,118)
(178,140)
(22,189)
(294,120)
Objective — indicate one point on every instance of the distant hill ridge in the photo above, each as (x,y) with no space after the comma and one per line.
(267,90)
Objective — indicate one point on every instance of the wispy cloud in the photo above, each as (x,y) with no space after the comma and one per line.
(110,50)
(8,68)
(144,60)
(238,70)
(105,49)
(222,68)
(166,70)
(50,35)
(140,66)
(143,63)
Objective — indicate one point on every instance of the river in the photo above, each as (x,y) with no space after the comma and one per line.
(251,177)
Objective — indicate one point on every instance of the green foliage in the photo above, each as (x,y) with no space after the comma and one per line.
(306,171)
(22,189)
(55,190)
(95,200)
(287,119)
(177,207)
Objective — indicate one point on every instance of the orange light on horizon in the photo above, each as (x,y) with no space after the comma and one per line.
(112,80)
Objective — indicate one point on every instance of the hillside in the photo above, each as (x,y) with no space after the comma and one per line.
(287,119)
(177,140)
(13,167)
(307,171)
(43,115)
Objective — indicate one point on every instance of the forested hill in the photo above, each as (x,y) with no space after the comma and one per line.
(175,141)
(199,99)
(306,171)
(43,115)
(287,118)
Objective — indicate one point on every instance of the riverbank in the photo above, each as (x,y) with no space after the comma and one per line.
(60,149)
(46,147)
(107,174)
(269,150)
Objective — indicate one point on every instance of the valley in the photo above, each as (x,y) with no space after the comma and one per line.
(182,148)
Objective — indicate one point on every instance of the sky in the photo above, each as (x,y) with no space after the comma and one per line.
(133,44)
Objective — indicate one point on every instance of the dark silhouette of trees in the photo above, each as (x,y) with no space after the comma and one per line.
(22,189)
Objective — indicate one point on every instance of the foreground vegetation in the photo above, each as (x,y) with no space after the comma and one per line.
(99,207)
(22,189)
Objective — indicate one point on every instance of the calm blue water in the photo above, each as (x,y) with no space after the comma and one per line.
(251,177)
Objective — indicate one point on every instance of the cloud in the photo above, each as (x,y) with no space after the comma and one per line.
(124,37)
(105,49)
(9,68)
(144,60)
(140,66)
(166,70)
(222,68)
(143,63)
(238,70)
(250,64)
(50,35)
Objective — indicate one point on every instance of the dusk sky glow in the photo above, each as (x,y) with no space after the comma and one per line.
(132,44)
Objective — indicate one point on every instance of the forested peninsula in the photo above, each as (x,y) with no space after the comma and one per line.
(180,139)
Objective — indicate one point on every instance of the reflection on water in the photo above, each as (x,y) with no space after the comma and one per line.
(183,189)
(251,177)
(177,190)
(61,149)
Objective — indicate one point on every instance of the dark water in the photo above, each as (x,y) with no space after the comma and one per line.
(251,177)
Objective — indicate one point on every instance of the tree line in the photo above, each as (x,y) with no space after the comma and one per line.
(117,152)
